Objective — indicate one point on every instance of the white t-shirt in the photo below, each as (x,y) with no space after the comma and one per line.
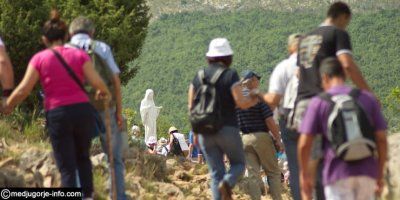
(182,142)
(101,48)
(163,150)
(282,75)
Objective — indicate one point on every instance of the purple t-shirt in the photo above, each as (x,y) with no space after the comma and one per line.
(315,122)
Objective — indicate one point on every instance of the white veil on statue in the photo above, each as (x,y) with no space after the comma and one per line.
(149,113)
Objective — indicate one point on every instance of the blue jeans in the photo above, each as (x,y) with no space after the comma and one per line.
(290,139)
(117,141)
(226,142)
(70,129)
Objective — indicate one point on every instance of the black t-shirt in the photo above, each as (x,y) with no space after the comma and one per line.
(323,42)
(223,87)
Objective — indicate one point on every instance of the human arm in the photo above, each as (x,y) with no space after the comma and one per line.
(272,99)
(152,151)
(118,99)
(242,101)
(352,71)
(95,80)
(310,126)
(6,70)
(381,143)
(344,55)
(171,140)
(270,122)
(190,96)
(303,156)
(190,150)
(23,89)
(277,85)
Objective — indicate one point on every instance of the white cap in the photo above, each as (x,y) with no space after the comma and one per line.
(151,140)
(219,47)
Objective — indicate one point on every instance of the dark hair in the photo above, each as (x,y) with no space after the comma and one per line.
(337,9)
(227,60)
(175,131)
(332,68)
(54,29)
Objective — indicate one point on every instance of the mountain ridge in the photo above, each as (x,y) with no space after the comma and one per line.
(159,8)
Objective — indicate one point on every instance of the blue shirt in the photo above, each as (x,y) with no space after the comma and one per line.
(102,49)
(195,151)
(253,119)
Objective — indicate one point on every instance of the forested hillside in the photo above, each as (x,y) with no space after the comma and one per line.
(176,44)
(159,8)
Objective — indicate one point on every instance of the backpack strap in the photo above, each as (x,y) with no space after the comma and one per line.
(200,75)
(69,70)
(92,46)
(216,75)
(326,97)
(355,93)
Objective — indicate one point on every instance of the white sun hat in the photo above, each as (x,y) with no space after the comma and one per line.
(151,140)
(219,47)
(163,140)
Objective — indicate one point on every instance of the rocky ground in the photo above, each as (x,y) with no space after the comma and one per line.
(148,177)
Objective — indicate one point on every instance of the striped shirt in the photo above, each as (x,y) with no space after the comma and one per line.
(253,119)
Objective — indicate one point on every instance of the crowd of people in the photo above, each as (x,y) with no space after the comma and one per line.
(333,136)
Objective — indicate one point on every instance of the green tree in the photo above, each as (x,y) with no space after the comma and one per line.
(120,23)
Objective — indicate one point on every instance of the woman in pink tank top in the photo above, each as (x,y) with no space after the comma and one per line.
(69,114)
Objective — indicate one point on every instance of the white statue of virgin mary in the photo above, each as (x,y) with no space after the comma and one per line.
(149,113)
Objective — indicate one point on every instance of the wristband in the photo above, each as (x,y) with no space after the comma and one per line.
(7,93)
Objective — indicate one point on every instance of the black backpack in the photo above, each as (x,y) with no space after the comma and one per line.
(205,115)
(176,147)
(350,131)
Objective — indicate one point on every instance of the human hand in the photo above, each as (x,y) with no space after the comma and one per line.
(195,140)
(256,93)
(306,186)
(279,145)
(102,95)
(120,120)
(379,187)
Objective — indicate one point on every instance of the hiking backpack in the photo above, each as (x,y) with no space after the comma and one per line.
(105,73)
(350,131)
(205,115)
(176,147)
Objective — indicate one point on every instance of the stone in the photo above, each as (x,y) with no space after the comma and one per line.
(99,160)
(196,191)
(6,162)
(33,159)
(181,175)
(33,180)
(170,190)
(47,182)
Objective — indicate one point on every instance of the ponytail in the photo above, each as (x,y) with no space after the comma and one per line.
(54,29)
